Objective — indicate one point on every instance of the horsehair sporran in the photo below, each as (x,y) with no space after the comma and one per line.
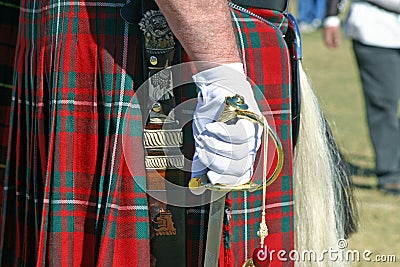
(324,200)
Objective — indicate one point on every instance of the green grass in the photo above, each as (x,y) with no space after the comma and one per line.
(335,80)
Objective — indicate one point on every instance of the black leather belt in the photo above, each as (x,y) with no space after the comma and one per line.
(280,5)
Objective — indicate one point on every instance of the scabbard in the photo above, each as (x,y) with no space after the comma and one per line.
(167,228)
(163,141)
(162,136)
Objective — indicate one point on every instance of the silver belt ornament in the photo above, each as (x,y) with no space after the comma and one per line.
(159,48)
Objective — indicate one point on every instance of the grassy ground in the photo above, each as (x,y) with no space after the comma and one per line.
(335,80)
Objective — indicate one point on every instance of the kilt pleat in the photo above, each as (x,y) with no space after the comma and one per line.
(69,198)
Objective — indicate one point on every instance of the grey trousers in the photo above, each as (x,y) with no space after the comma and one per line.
(380,77)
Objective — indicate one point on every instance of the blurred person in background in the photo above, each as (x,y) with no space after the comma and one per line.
(310,14)
(374,27)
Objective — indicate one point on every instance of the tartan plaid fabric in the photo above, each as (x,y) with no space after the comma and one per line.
(8,36)
(267,63)
(69,197)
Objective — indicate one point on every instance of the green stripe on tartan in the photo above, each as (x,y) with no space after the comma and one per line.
(75,23)
(249,23)
(70,196)
(113,232)
(279,21)
(286,92)
(286,225)
(71,79)
(56,225)
(60,75)
(69,179)
(286,184)
(142,230)
(285,135)
(65,27)
(70,122)
(255,40)
(108,86)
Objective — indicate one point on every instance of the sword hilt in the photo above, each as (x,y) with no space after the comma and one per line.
(236,108)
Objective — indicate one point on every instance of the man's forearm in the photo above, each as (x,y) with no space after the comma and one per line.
(204,28)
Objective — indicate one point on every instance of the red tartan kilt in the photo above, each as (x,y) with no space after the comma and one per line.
(268,66)
(70,199)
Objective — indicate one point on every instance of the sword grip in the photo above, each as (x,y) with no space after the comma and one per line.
(236,108)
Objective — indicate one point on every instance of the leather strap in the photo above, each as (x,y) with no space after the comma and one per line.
(279,5)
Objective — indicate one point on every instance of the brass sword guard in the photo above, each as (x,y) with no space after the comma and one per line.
(236,108)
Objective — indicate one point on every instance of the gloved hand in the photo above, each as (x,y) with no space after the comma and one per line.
(225,152)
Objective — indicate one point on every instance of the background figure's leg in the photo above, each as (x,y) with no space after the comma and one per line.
(319,13)
(304,11)
(382,91)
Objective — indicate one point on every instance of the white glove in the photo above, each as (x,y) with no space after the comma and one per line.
(225,152)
